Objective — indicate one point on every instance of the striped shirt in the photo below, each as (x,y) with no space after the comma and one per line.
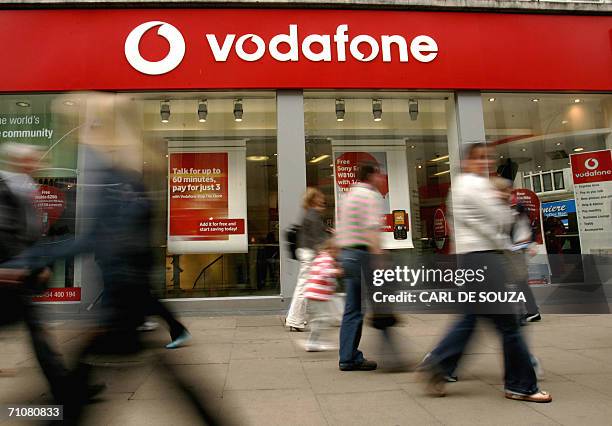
(321,282)
(360,213)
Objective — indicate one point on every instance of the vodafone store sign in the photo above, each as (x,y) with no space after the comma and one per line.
(174,49)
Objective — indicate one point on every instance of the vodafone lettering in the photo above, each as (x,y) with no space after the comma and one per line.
(322,47)
(284,47)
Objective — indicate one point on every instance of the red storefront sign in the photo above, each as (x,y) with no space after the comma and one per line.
(67,294)
(47,50)
(594,166)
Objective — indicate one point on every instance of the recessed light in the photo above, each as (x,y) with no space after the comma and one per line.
(419,167)
(23,104)
(257,157)
(578,149)
(491,99)
(501,156)
(535,100)
(577,101)
(558,144)
(412,146)
(69,103)
(539,167)
(564,122)
(276,155)
(523,149)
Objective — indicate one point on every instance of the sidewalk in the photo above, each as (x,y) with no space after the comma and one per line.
(256,373)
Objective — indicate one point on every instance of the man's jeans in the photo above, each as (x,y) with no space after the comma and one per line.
(354,263)
(519,373)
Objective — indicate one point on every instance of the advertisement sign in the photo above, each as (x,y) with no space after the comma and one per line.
(530,201)
(176,49)
(206,201)
(391,162)
(440,230)
(67,294)
(592,175)
(50,202)
(560,210)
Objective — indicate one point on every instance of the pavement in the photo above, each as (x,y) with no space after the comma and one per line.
(252,371)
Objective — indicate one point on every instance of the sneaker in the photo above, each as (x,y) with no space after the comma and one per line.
(182,338)
(451,378)
(364,365)
(148,326)
(532,317)
(318,347)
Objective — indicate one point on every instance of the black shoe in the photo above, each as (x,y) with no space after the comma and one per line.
(94,390)
(532,317)
(364,365)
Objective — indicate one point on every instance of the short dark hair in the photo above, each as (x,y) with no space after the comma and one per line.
(365,170)
(471,148)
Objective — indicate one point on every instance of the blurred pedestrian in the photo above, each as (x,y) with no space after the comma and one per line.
(319,289)
(312,233)
(482,222)
(359,236)
(21,228)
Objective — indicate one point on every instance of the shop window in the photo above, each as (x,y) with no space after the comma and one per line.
(538,135)
(404,133)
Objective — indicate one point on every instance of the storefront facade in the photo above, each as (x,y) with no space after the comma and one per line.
(241,109)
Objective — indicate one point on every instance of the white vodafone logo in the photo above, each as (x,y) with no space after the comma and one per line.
(591,163)
(172,59)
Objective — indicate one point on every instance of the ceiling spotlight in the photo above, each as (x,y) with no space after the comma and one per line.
(69,103)
(340,110)
(238,110)
(501,156)
(558,144)
(257,158)
(577,101)
(377,109)
(413,109)
(202,111)
(535,100)
(578,149)
(413,146)
(164,111)
(523,149)
(491,99)
(23,104)
(419,166)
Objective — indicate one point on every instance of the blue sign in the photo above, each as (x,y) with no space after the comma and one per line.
(559,208)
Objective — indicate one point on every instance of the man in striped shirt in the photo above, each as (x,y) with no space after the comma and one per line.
(358,234)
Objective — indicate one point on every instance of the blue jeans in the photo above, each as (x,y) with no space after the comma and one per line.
(519,373)
(354,262)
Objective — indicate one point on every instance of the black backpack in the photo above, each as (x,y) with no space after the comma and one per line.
(291,235)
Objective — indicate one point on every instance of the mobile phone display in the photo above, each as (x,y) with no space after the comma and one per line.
(400,225)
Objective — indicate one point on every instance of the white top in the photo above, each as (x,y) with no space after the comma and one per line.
(481,219)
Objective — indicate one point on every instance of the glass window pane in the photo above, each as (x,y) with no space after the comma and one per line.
(527,182)
(559,184)
(537,183)
(547,180)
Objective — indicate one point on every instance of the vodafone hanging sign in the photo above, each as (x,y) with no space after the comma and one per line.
(165,49)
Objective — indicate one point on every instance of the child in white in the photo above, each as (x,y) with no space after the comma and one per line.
(319,290)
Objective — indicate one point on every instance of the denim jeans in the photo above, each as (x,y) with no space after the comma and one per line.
(354,263)
(519,373)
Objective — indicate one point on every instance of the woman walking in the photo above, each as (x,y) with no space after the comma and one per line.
(311,235)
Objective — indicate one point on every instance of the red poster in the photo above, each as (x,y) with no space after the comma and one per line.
(198,193)
(531,202)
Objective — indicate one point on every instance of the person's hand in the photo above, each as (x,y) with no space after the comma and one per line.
(532,251)
(44,276)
